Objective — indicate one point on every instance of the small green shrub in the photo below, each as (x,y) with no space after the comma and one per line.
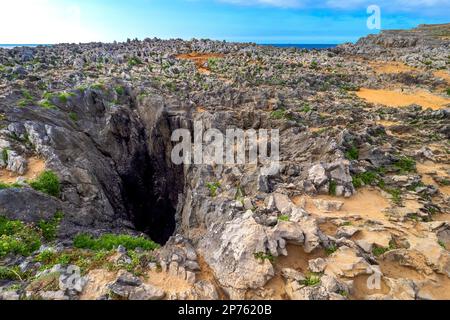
(264,256)
(378,251)
(448,91)
(17,238)
(396,195)
(213,188)
(11,274)
(314,65)
(306,108)
(64,96)
(5,155)
(47,182)
(49,229)
(278,114)
(311,280)
(365,178)
(331,249)
(442,244)
(97,86)
(405,164)
(46,104)
(333,188)
(111,241)
(119,90)
(135,61)
(352,153)
(284,218)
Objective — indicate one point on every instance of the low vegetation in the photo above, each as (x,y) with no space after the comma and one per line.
(112,241)
(262,256)
(47,182)
(17,237)
(405,165)
(311,280)
(333,188)
(134,61)
(352,153)
(213,188)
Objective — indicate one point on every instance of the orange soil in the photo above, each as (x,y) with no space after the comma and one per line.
(399,99)
(428,168)
(200,59)
(443,75)
(391,67)
(367,203)
(35,168)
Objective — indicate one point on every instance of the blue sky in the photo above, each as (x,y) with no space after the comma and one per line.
(262,21)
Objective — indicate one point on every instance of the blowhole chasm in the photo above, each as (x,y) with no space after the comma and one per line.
(153,184)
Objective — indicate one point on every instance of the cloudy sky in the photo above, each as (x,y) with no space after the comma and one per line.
(262,21)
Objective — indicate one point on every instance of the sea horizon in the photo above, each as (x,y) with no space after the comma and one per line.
(278,45)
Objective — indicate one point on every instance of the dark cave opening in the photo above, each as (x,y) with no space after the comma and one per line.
(150,193)
(149,206)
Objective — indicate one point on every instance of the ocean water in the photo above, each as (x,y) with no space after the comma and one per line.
(12,46)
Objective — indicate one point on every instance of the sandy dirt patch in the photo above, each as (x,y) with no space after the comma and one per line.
(367,203)
(393,98)
(35,167)
(391,67)
(97,285)
(429,169)
(361,290)
(442,74)
(200,59)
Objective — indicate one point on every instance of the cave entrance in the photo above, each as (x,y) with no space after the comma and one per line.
(151,198)
(151,189)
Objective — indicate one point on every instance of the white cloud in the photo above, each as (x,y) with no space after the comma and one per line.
(42,21)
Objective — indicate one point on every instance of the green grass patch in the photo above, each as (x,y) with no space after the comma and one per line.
(405,165)
(213,188)
(305,109)
(396,195)
(4,186)
(365,178)
(442,244)
(264,256)
(352,153)
(12,274)
(112,241)
(47,182)
(284,218)
(379,251)
(311,280)
(5,155)
(134,61)
(18,238)
(98,86)
(46,104)
(119,90)
(331,249)
(49,228)
(333,188)
(448,91)
(64,96)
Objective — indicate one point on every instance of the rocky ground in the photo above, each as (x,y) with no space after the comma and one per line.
(359,210)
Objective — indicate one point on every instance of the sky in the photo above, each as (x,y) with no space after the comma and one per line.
(261,21)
